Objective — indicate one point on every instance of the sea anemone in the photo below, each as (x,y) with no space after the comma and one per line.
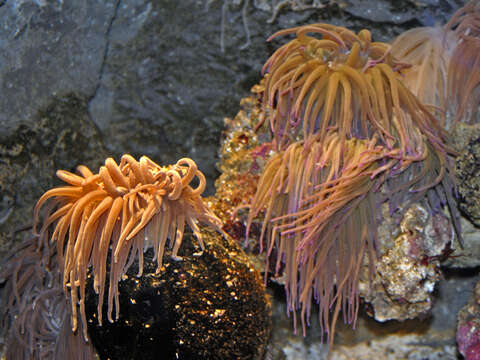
(366,140)
(343,81)
(321,217)
(463,74)
(37,315)
(128,208)
(317,208)
(428,51)
(443,65)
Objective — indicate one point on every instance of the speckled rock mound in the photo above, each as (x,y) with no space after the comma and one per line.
(211,306)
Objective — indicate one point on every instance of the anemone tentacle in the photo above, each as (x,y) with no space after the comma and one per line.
(126,207)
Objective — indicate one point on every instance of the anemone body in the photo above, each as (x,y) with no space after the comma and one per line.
(122,210)
(320,217)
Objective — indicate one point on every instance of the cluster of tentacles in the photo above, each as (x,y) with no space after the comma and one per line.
(349,135)
(444,59)
(307,196)
(122,210)
(345,81)
(36,312)
(427,50)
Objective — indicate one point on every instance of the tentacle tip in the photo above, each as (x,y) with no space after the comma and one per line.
(198,253)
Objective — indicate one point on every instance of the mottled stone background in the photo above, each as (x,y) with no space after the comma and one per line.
(82,80)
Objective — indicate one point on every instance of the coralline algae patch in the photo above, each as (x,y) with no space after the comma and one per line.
(468,328)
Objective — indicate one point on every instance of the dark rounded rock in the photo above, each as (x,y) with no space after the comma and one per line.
(211,306)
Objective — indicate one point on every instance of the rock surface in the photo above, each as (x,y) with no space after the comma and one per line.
(211,306)
(468,328)
(60,136)
(467,170)
(409,266)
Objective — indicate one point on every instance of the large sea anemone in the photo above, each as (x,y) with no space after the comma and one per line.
(321,217)
(349,136)
(122,210)
(339,79)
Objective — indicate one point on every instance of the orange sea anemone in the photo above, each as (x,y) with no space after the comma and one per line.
(320,215)
(317,208)
(123,209)
(345,81)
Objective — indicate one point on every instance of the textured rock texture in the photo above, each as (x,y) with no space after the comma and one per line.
(203,307)
(409,267)
(468,328)
(467,170)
